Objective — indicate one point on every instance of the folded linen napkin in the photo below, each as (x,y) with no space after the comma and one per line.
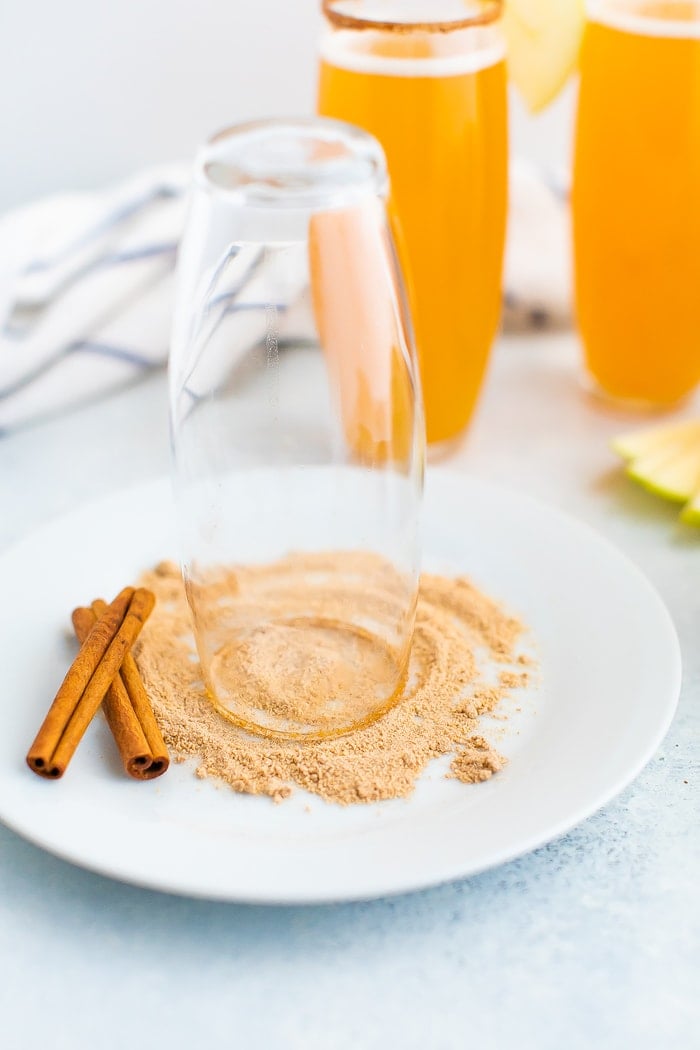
(86,285)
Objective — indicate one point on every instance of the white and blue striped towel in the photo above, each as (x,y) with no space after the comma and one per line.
(86,285)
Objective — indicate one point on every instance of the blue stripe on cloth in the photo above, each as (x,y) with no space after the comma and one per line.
(114,219)
(134,254)
(235,308)
(83,346)
(17,331)
(118,353)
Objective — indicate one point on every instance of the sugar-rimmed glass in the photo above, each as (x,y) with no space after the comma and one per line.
(428,79)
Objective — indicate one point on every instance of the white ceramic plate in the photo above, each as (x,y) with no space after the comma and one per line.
(610,678)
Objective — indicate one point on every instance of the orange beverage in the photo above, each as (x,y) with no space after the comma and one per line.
(636,199)
(428,79)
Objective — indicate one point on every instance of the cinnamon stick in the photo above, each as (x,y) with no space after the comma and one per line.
(87,682)
(141,705)
(128,710)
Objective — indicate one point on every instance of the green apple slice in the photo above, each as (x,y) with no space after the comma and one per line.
(646,442)
(669,473)
(691,512)
(543,38)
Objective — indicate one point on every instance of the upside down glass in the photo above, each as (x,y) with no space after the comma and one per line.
(636,199)
(428,79)
(297,430)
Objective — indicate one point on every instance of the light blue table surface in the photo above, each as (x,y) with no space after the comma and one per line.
(591,941)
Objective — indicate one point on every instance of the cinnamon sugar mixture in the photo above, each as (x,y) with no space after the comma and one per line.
(463,639)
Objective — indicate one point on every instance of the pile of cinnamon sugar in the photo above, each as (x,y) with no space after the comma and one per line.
(463,639)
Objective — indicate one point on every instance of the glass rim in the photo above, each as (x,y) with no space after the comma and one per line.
(489,12)
(677,15)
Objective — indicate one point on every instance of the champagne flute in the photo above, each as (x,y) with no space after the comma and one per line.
(428,79)
(635,201)
(297,430)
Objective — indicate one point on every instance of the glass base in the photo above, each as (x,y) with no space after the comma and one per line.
(437,451)
(633,406)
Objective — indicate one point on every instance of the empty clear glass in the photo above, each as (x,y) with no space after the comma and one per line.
(297,430)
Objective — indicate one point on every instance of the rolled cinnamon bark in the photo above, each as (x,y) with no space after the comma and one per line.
(141,707)
(87,682)
(143,758)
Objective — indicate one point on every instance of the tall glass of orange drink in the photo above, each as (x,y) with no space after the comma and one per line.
(428,79)
(636,199)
